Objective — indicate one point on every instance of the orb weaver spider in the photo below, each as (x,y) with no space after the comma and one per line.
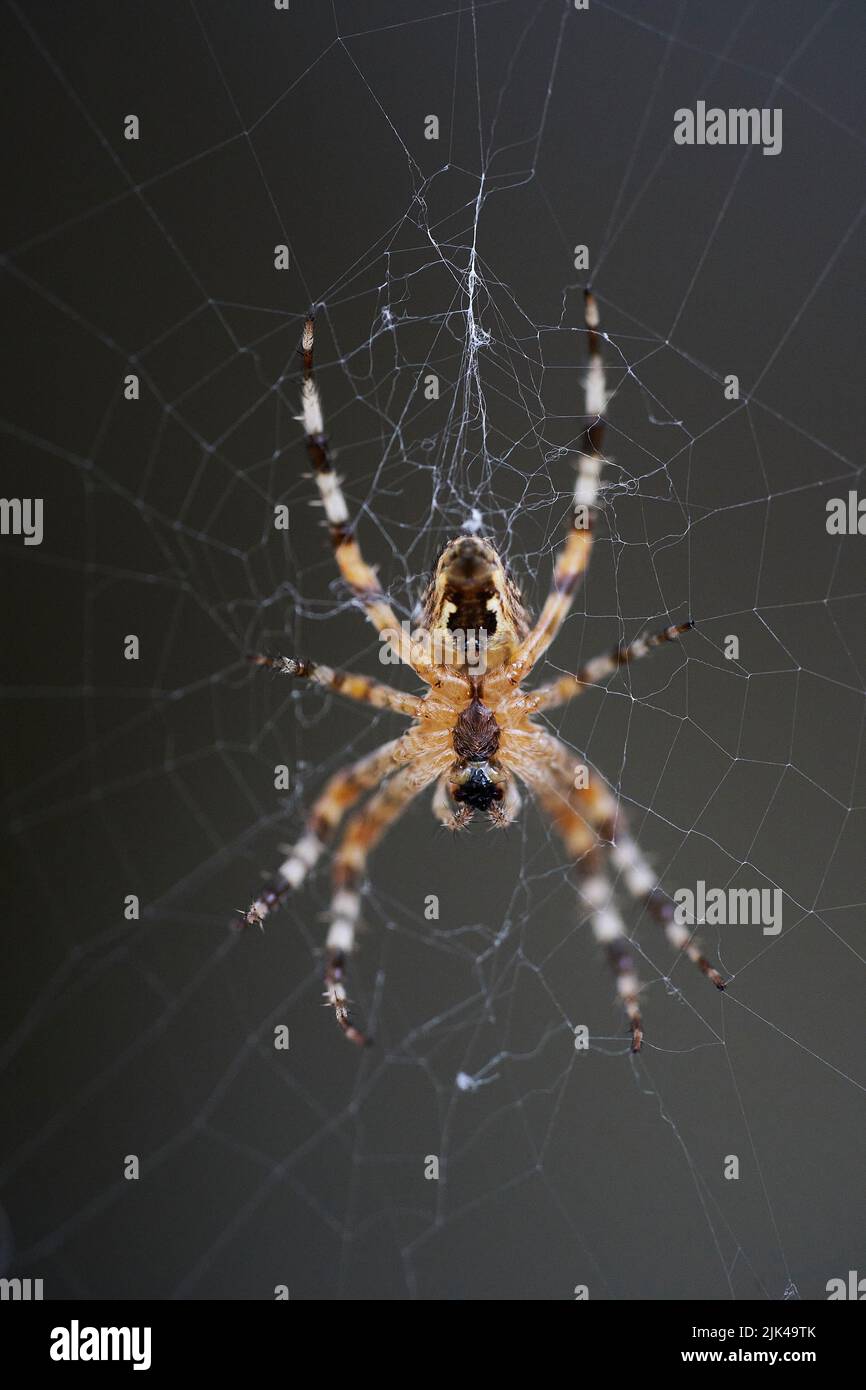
(473,732)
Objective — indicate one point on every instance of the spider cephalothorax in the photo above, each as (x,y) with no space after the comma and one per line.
(472,593)
(474,732)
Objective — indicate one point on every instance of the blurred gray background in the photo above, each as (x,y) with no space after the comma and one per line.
(305,1167)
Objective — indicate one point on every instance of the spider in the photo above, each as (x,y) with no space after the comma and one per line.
(473,732)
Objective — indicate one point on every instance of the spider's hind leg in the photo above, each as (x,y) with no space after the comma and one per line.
(608,928)
(556,798)
(363,832)
(598,806)
(642,885)
(340,793)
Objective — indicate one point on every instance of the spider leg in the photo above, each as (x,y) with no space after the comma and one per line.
(574,556)
(358,575)
(596,892)
(598,807)
(363,832)
(565,688)
(642,884)
(360,688)
(343,790)
(608,928)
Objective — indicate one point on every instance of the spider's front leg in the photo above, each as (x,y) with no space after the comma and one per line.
(360,577)
(573,558)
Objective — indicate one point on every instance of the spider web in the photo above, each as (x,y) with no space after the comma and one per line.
(453,258)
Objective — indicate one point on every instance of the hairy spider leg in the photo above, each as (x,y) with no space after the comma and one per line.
(358,575)
(565,688)
(363,832)
(343,790)
(594,889)
(359,688)
(642,884)
(573,558)
(596,804)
